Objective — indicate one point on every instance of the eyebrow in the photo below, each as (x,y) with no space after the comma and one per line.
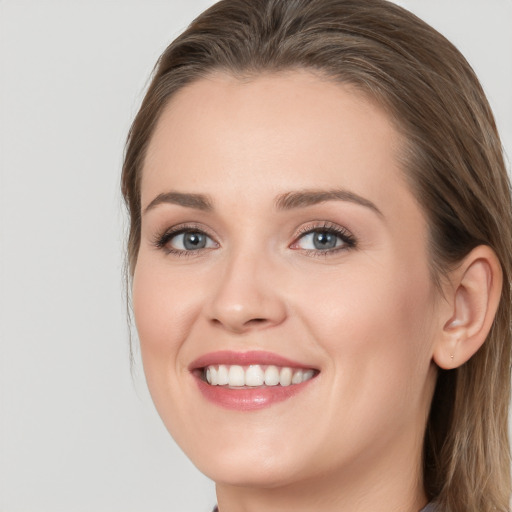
(196,201)
(303,198)
(287,201)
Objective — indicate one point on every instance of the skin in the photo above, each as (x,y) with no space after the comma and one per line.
(367,317)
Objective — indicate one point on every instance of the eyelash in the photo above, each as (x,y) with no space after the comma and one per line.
(348,239)
(162,240)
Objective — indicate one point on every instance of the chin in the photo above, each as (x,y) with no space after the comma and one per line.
(248,473)
(257,461)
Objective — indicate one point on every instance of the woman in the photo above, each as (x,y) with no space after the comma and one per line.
(320,252)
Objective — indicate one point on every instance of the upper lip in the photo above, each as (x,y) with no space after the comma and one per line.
(229,357)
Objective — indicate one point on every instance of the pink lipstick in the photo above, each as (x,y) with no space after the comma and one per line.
(251,380)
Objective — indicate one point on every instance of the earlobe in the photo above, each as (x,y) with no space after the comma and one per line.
(472,303)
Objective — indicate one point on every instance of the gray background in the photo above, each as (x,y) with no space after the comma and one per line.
(77,433)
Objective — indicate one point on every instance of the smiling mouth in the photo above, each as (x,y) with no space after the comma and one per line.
(255,375)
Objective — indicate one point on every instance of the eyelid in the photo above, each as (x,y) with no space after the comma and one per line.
(349,240)
(163,237)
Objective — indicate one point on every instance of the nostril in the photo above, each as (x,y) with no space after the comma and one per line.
(242,326)
(256,321)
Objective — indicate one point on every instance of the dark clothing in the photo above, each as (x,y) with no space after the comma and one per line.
(429,508)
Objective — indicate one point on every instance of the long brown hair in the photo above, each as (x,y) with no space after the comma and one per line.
(453,160)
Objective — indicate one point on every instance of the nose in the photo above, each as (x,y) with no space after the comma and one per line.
(246,296)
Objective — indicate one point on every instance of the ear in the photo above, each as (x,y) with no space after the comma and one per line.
(471,303)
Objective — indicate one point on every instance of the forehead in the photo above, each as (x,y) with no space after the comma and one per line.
(297,129)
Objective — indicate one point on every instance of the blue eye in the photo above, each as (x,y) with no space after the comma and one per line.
(325,239)
(185,240)
(189,241)
(320,241)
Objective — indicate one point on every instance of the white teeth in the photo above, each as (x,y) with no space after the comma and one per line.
(222,375)
(211,375)
(285,377)
(307,375)
(297,377)
(272,376)
(236,376)
(254,375)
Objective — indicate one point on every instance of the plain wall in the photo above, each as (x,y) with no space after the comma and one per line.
(77,433)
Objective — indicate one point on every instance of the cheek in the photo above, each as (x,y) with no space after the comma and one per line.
(164,306)
(350,303)
(375,324)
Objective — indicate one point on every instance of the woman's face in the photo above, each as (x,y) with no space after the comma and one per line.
(283,254)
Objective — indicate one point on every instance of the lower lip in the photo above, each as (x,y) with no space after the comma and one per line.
(249,399)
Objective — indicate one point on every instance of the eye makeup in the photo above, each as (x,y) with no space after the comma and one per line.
(324,238)
(313,239)
(195,238)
